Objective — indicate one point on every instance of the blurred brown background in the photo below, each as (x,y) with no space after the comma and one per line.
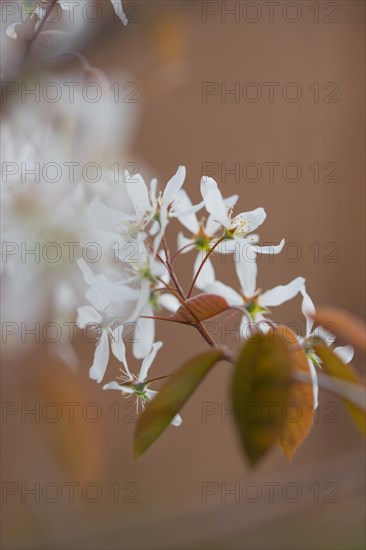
(171,52)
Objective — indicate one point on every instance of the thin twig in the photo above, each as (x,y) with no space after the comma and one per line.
(171,270)
(156,318)
(172,291)
(203,263)
(180,251)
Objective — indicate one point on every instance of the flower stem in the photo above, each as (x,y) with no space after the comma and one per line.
(180,251)
(203,263)
(171,270)
(172,290)
(182,297)
(156,318)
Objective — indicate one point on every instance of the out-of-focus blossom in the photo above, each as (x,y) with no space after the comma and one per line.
(113,304)
(52,169)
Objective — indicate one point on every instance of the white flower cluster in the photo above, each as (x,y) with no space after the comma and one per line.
(149,282)
(49,160)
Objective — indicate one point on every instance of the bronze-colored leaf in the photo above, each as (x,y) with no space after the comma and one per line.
(200,308)
(299,411)
(342,323)
(333,366)
(171,398)
(261,390)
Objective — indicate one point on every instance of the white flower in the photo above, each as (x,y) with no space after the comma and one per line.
(202,234)
(345,353)
(236,227)
(255,302)
(144,335)
(171,204)
(113,304)
(139,385)
(46,213)
(146,208)
(146,273)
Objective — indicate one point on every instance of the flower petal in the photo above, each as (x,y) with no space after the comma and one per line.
(101,358)
(153,189)
(207,273)
(147,362)
(174,185)
(113,386)
(118,346)
(282,293)
(214,202)
(246,269)
(117,6)
(177,420)
(108,219)
(182,207)
(151,393)
(162,226)
(271,249)
(314,379)
(182,241)
(345,353)
(249,220)
(142,300)
(87,315)
(10,30)
(144,334)
(252,328)
(169,302)
(232,297)
(86,271)
(139,194)
(308,310)
(326,335)
(154,228)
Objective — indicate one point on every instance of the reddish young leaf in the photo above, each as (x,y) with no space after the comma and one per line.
(342,323)
(200,308)
(299,411)
(333,366)
(260,391)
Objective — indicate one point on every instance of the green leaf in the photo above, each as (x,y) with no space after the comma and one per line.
(173,395)
(261,389)
(299,414)
(333,366)
(200,308)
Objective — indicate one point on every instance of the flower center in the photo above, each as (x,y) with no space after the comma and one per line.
(240,225)
(201,240)
(140,389)
(253,308)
